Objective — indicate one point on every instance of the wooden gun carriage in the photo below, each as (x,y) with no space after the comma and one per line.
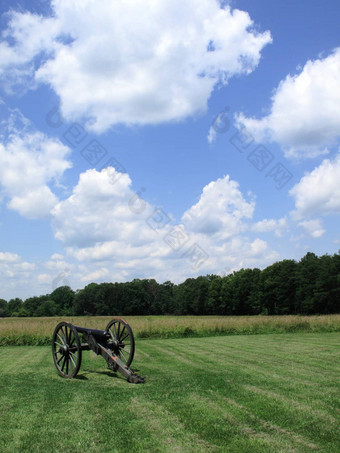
(116,344)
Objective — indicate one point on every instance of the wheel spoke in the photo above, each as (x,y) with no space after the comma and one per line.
(63,333)
(60,339)
(121,352)
(67,365)
(60,359)
(71,358)
(74,355)
(62,367)
(73,338)
(58,344)
(121,333)
(123,345)
(115,332)
(122,339)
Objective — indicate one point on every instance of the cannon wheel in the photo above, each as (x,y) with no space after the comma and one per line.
(66,349)
(122,342)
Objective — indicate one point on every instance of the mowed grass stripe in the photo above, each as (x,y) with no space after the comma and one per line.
(289,383)
(321,395)
(196,398)
(284,366)
(302,371)
(224,358)
(249,362)
(170,434)
(297,400)
(291,359)
(294,403)
(45,411)
(253,427)
(290,437)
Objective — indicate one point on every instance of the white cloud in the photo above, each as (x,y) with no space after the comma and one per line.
(269,225)
(211,137)
(9,257)
(97,275)
(32,35)
(240,252)
(28,163)
(318,192)
(305,113)
(138,62)
(220,210)
(44,279)
(107,238)
(100,211)
(15,275)
(313,227)
(57,257)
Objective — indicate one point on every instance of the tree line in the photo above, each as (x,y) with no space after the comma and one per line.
(309,286)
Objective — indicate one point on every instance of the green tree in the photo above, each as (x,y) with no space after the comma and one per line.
(47,308)
(214,302)
(106,299)
(191,296)
(3,308)
(32,304)
(278,288)
(167,298)
(306,277)
(239,293)
(22,313)
(63,297)
(14,306)
(326,296)
(84,300)
(227,295)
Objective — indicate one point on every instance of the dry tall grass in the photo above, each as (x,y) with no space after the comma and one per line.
(35,331)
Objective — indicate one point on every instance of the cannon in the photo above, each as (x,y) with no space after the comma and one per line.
(116,344)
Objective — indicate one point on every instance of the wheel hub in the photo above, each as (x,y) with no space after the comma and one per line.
(64,350)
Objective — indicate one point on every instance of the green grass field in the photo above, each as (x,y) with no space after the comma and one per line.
(263,393)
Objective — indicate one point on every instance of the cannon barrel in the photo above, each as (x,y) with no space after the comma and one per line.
(94,332)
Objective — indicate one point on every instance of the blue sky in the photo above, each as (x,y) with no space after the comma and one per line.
(165,139)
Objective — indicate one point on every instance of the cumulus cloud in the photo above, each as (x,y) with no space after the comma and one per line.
(96,275)
(44,279)
(318,192)
(7,257)
(313,227)
(15,274)
(11,263)
(305,113)
(113,234)
(220,210)
(271,225)
(134,62)
(28,163)
(101,209)
(27,37)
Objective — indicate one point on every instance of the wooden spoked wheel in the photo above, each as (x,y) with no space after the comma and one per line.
(66,350)
(121,342)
